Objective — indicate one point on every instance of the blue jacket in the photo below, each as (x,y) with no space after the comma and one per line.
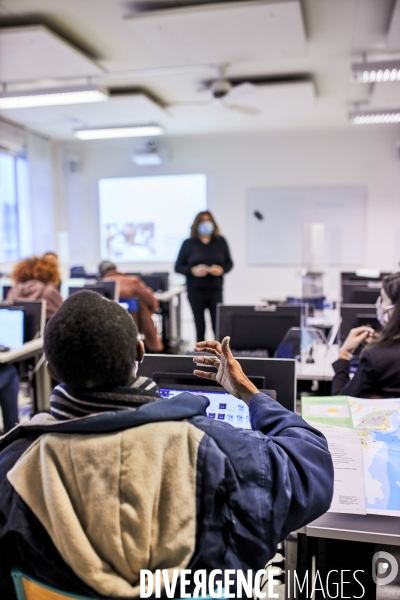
(252,487)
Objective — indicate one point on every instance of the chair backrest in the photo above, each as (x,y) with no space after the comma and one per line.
(28,588)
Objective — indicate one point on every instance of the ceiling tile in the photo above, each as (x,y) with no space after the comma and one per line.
(223,33)
(35,52)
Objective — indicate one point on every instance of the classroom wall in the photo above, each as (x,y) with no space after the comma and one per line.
(39,215)
(233,163)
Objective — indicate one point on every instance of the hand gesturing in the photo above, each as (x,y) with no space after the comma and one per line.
(229,372)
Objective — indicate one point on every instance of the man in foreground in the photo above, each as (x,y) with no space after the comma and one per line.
(117,480)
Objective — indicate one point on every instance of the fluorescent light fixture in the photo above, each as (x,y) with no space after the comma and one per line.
(53,97)
(118,132)
(375,117)
(370,72)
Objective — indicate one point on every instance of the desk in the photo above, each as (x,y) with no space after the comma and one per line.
(374,529)
(316,377)
(321,369)
(170,307)
(326,318)
(347,543)
(27,350)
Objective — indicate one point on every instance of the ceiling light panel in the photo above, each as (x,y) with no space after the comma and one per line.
(378,117)
(55,97)
(35,52)
(371,72)
(215,33)
(119,132)
(58,122)
(281,98)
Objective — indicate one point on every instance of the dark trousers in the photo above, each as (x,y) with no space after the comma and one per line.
(199,301)
(9,395)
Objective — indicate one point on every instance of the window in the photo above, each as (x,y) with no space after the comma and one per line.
(15,235)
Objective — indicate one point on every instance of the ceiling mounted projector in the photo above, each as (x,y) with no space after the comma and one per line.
(147,156)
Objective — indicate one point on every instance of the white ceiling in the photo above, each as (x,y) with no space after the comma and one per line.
(234,32)
(317,39)
(35,52)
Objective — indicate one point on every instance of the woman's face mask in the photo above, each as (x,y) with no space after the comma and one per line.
(205,228)
(384,308)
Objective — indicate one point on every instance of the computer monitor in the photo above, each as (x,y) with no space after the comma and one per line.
(34,316)
(356,315)
(363,276)
(11,327)
(279,374)
(80,273)
(223,406)
(108,289)
(158,282)
(257,327)
(360,293)
(5,290)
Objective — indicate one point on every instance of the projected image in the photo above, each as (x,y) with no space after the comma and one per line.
(122,241)
(147,218)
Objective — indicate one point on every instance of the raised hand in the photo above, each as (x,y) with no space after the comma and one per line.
(229,372)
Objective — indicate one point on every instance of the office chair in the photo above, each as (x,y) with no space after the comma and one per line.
(29,588)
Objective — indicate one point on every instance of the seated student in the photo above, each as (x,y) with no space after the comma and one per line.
(36,279)
(129,287)
(9,396)
(139,482)
(378,375)
(53,257)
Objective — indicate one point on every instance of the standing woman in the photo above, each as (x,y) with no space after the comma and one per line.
(204,258)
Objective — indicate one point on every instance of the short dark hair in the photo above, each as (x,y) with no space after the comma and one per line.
(90,342)
(105,266)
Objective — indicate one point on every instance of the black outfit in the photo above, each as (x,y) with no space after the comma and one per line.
(377,375)
(9,385)
(204,292)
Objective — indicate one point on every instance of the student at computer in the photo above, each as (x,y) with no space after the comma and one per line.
(204,258)
(9,386)
(378,375)
(139,482)
(36,279)
(131,286)
(51,256)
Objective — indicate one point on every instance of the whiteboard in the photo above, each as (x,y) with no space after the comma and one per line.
(276,219)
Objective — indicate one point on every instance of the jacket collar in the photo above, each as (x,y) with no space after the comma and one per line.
(183,406)
(65,404)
